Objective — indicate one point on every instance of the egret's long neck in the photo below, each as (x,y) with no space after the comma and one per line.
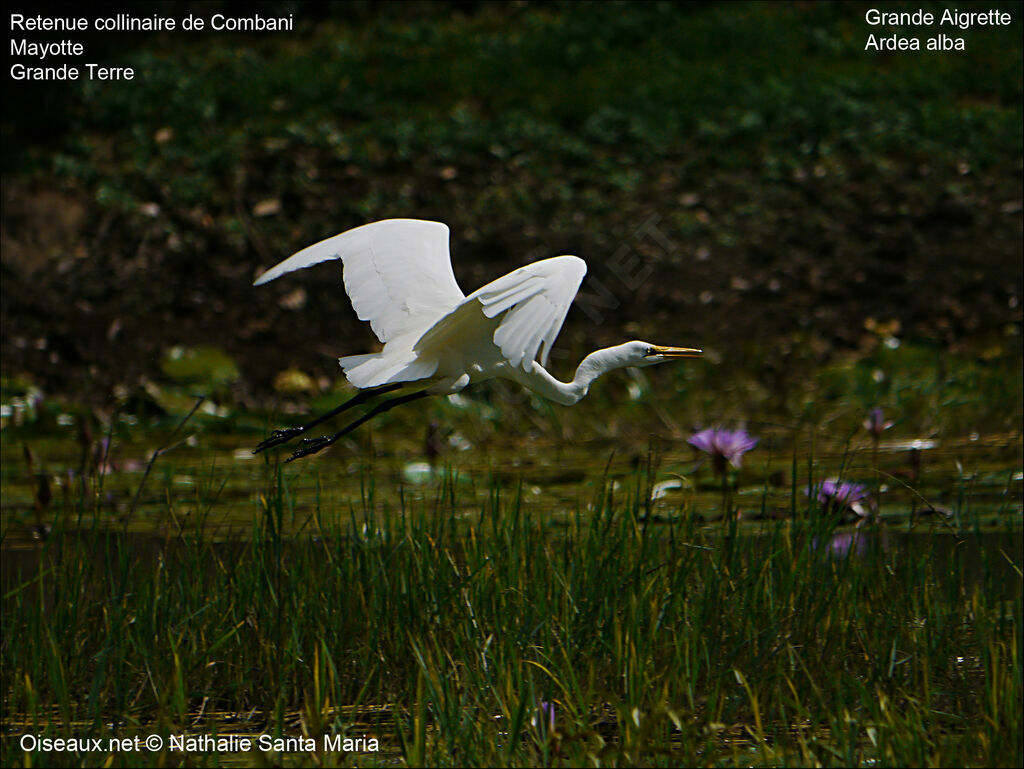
(594,365)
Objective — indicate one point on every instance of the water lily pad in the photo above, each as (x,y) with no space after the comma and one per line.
(206,364)
(293,381)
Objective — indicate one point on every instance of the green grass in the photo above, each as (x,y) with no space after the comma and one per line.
(440,631)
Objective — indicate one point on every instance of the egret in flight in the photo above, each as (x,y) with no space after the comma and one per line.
(398,274)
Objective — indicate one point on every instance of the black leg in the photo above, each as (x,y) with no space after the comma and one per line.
(313,445)
(283,436)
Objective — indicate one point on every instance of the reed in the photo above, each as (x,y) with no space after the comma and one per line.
(495,638)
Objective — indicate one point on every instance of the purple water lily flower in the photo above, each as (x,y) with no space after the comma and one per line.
(723,445)
(876,423)
(844,495)
(857,543)
(545,716)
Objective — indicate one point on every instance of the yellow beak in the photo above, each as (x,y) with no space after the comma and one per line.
(678,352)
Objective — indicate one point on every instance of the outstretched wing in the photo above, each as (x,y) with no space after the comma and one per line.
(534,300)
(397,272)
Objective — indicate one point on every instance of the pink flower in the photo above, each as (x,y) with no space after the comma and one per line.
(544,717)
(844,495)
(723,445)
(876,424)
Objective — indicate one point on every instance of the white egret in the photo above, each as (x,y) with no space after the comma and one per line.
(398,274)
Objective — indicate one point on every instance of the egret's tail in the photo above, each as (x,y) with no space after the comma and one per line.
(383,368)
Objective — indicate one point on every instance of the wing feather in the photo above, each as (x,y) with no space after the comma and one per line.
(531,304)
(397,272)
(533,323)
(503,300)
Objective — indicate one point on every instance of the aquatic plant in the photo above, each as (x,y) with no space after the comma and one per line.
(876,424)
(843,495)
(544,717)
(723,446)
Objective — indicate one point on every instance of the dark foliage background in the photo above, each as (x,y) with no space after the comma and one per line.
(744,177)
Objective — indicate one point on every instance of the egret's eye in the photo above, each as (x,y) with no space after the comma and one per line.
(650,351)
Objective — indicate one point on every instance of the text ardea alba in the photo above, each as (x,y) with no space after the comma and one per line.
(398,274)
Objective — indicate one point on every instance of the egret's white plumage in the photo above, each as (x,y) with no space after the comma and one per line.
(398,274)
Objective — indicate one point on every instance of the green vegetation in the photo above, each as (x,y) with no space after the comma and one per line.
(745,176)
(444,611)
(440,633)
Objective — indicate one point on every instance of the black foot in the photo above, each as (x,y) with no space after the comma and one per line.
(313,445)
(277,438)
